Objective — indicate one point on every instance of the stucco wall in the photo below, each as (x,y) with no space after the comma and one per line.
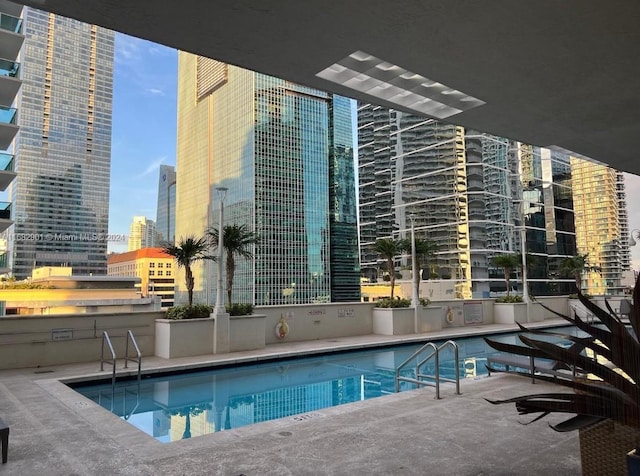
(34,341)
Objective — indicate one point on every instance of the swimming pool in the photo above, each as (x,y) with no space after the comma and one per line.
(179,406)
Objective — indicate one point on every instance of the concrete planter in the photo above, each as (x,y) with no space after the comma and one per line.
(184,337)
(247,332)
(393,321)
(509,313)
(432,318)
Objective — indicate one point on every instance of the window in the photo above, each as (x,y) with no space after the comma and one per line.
(152,265)
(152,272)
(160,265)
(168,273)
(168,265)
(159,272)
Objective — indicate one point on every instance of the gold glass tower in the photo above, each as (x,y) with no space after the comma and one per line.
(285,154)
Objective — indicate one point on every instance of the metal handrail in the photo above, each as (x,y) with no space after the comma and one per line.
(419,380)
(105,338)
(137,359)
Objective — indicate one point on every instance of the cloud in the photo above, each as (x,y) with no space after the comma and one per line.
(155,92)
(152,167)
(127,49)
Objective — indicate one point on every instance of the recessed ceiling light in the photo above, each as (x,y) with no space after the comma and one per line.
(383,80)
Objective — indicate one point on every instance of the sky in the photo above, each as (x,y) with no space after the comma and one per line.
(144,135)
(144,129)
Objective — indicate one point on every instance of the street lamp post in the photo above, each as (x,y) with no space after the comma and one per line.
(219,309)
(415,300)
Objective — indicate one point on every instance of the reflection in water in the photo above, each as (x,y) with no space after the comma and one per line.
(182,406)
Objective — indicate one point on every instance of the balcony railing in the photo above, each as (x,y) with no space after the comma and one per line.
(9,68)
(6,162)
(8,115)
(5,210)
(10,23)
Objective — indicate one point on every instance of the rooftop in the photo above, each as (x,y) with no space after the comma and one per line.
(56,431)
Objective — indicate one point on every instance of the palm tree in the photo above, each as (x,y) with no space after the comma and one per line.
(388,249)
(237,241)
(425,248)
(574,266)
(508,263)
(186,252)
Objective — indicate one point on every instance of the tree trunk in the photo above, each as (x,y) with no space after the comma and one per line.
(189,282)
(231,265)
(507,277)
(392,276)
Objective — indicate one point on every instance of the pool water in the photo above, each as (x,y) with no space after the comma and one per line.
(179,406)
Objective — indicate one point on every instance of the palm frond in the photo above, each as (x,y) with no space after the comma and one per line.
(615,362)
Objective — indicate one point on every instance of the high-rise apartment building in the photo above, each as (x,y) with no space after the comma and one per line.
(473,194)
(166,210)
(602,230)
(63,150)
(11,41)
(285,154)
(142,234)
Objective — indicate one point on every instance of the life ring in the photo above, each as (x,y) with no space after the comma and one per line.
(282,328)
(450,317)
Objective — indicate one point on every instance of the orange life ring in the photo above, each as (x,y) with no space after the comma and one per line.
(450,317)
(282,328)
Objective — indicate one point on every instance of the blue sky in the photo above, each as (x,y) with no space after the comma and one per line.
(144,134)
(144,128)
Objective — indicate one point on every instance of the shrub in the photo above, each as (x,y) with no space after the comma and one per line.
(510,299)
(189,312)
(240,309)
(388,302)
(425,302)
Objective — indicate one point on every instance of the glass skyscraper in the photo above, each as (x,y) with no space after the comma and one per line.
(166,209)
(471,193)
(285,154)
(63,148)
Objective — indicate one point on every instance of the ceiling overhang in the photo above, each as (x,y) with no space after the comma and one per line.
(550,73)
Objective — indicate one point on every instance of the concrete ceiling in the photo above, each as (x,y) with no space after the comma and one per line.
(562,73)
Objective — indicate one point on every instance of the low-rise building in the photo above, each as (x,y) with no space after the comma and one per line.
(55,290)
(154,267)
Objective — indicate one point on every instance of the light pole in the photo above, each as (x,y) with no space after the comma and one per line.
(219,309)
(414,274)
(523,249)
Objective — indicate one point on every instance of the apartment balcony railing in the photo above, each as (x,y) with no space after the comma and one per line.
(9,68)
(8,115)
(10,23)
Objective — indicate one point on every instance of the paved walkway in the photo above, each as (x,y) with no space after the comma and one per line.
(55,431)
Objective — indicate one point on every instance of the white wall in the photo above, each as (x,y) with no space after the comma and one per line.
(318,321)
(35,341)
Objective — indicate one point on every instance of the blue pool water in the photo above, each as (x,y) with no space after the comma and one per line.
(173,407)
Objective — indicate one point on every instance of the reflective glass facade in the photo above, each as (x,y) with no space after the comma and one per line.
(282,151)
(601,224)
(166,210)
(63,148)
(470,193)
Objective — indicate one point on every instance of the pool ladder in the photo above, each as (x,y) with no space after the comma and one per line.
(425,379)
(138,357)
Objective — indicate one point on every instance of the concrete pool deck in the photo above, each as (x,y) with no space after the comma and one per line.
(56,431)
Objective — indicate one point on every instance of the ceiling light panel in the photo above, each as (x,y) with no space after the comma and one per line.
(380,79)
